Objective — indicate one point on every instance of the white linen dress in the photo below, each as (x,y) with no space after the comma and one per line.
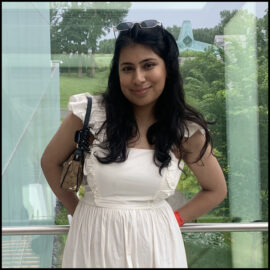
(124,221)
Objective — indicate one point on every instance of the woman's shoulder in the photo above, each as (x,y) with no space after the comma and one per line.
(191,128)
(78,103)
(81,99)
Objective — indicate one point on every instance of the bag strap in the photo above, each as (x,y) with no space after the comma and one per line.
(88,111)
(82,136)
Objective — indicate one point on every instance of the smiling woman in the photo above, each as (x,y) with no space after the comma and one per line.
(142,75)
(142,132)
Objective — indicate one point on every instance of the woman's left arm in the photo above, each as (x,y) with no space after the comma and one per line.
(210,177)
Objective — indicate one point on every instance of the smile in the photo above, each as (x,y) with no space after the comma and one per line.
(141,91)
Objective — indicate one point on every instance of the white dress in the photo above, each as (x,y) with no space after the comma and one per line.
(124,221)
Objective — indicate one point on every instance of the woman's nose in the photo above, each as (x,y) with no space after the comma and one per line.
(139,76)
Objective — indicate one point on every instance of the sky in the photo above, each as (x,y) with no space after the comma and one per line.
(201,14)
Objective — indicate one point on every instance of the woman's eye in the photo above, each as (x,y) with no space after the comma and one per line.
(149,65)
(146,66)
(126,68)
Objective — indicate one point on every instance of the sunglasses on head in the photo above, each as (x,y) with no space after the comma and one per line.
(125,26)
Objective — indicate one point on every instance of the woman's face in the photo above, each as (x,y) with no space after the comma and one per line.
(142,74)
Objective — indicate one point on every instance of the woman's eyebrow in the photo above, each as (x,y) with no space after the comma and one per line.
(144,60)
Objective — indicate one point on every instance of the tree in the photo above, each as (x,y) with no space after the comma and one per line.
(82,24)
(206,34)
(56,9)
(174,30)
(226,16)
(204,85)
(263,88)
(106,46)
(262,35)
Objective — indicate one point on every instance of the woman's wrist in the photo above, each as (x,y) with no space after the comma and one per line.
(179,218)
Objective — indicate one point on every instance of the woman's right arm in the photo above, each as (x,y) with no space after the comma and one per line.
(57,151)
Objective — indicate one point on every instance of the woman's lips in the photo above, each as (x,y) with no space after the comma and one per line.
(141,91)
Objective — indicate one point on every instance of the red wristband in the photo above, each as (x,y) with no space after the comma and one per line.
(178,218)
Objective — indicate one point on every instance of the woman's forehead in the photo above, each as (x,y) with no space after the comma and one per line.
(137,53)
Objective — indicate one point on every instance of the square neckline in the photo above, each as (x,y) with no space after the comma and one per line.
(133,148)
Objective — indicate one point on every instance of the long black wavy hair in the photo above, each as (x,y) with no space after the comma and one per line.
(171,110)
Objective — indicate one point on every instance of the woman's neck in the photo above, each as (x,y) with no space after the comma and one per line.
(144,115)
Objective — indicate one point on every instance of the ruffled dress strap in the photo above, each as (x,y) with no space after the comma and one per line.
(192,127)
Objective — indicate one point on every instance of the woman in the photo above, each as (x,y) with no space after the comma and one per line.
(141,132)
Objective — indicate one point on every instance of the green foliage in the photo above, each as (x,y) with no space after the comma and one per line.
(61,218)
(106,46)
(226,16)
(262,52)
(69,63)
(188,185)
(205,89)
(189,53)
(81,25)
(206,34)
(206,249)
(81,192)
(204,85)
(174,30)
(242,92)
(262,35)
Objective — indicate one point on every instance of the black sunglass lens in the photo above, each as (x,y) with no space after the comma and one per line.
(149,23)
(124,26)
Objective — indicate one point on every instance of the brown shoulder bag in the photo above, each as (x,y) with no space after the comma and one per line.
(72,173)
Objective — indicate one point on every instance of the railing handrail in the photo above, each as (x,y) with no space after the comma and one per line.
(188,227)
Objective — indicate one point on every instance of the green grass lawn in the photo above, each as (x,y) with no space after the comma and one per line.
(70,85)
(103,60)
